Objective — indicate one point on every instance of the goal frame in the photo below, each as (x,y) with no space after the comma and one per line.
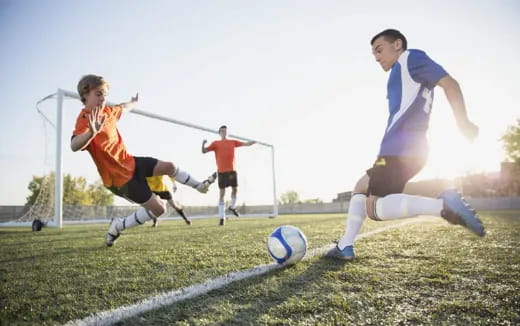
(60,96)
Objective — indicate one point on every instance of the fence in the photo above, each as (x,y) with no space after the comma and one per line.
(10,213)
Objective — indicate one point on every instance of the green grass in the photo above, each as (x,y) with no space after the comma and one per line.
(424,273)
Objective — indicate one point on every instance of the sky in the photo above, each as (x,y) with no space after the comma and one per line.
(295,74)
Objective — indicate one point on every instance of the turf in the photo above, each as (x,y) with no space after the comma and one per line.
(425,273)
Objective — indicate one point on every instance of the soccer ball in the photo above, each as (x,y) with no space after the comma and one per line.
(287,244)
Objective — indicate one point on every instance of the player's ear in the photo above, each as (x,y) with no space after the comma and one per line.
(398,44)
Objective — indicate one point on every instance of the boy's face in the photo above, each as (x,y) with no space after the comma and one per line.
(96,97)
(223,132)
(387,53)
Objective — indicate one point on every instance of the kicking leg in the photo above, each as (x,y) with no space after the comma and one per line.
(167,168)
(233,205)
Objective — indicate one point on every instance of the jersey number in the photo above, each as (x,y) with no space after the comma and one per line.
(427,95)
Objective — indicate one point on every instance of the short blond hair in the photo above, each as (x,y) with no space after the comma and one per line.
(88,83)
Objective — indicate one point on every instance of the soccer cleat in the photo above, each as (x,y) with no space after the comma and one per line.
(114,231)
(222,222)
(234,211)
(180,211)
(155,222)
(346,254)
(203,187)
(212,178)
(457,211)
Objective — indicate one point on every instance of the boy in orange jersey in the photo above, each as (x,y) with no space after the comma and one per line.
(227,175)
(123,174)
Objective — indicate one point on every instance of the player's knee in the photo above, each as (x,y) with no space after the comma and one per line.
(371,208)
(170,168)
(158,209)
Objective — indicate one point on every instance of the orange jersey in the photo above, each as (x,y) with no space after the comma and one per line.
(115,165)
(225,153)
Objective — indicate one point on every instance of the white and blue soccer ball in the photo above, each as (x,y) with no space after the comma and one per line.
(287,244)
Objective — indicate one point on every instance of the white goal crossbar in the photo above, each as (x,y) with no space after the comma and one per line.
(58,188)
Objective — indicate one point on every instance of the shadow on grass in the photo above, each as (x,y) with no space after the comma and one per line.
(41,254)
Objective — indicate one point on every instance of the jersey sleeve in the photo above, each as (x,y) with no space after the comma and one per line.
(212,147)
(424,70)
(238,143)
(115,111)
(81,124)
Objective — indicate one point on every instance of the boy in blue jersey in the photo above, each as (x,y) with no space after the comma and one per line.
(403,150)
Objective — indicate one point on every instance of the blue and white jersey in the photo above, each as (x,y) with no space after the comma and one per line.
(410,96)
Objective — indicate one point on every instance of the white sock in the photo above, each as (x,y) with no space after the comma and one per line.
(233,202)
(141,216)
(356,217)
(185,178)
(221,210)
(400,206)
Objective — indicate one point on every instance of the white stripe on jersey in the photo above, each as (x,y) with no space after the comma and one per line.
(409,89)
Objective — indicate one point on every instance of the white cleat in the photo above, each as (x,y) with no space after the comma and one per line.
(203,187)
(114,231)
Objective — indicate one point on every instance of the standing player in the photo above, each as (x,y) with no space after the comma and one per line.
(123,174)
(403,150)
(227,175)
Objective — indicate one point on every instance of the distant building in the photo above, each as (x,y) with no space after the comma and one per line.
(343,196)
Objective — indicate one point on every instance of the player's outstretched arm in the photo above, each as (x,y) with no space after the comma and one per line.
(127,106)
(249,143)
(204,148)
(95,124)
(456,99)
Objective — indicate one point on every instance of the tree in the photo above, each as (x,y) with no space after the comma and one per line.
(36,186)
(99,195)
(289,197)
(511,141)
(76,191)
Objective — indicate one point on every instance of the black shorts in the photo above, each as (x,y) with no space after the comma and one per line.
(166,195)
(227,179)
(389,174)
(137,189)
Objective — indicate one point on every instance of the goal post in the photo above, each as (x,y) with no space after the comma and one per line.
(56,217)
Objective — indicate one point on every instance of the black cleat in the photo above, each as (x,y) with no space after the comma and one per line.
(180,211)
(234,211)
(222,222)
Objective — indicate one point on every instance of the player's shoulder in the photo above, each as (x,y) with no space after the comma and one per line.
(417,55)
(83,114)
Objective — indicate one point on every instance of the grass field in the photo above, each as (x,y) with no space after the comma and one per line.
(424,273)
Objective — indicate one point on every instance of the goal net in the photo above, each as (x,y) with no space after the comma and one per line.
(66,187)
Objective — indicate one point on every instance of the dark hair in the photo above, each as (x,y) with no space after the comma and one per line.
(222,127)
(391,35)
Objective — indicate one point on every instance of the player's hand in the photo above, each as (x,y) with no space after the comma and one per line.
(469,130)
(96,123)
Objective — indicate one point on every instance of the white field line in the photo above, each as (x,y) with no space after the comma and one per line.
(110,317)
